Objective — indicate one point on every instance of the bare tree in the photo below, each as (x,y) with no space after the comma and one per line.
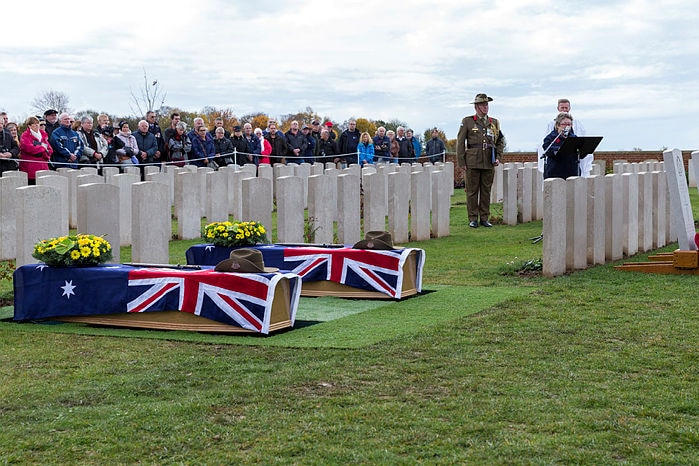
(50,99)
(151,96)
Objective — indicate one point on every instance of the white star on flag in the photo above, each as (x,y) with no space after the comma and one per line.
(68,289)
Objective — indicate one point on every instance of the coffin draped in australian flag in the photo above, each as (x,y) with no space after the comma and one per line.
(257,303)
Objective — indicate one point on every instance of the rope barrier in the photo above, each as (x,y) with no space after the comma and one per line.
(226,154)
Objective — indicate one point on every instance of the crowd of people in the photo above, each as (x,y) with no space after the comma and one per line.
(59,140)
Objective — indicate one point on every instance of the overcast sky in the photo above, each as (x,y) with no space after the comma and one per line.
(628,66)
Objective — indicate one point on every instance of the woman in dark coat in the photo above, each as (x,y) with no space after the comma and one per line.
(560,166)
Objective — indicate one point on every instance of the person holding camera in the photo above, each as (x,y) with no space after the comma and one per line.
(9,150)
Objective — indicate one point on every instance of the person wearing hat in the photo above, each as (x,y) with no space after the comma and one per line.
(479,146)
(329,126)
(309,155)
(244,260)
(315,134)
(51,118)
(239,143)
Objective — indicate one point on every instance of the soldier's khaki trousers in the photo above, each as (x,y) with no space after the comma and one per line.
(478,184)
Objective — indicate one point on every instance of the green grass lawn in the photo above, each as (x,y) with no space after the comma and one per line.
(596,367)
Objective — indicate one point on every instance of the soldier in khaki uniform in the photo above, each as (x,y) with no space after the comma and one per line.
(479,146)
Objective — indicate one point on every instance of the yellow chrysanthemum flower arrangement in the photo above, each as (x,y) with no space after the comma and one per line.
(73,251)
(229,234)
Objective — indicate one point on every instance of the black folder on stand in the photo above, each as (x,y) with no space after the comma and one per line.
(579,146)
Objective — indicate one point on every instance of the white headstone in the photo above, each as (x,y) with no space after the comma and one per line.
(37,219)
(217,197)
(125,181)
(524,194)
(680,205)
(151,223)
(614,213)
(108,173)
(629,182)
(693,169)
(98,214)
(187,204)
(166,178)
(202,188)
(61,183)
(290,219)
(659,209)
(398,207)
(595,219)
(321,208)
(375,208)
(258,204)
(645,211)
(554,255)
(88,171)
(442,185)
(23,176)
(509,198)
(237,193)
(348,207)
(72,176)
(576,223)
(419,206)
(8,216)
(266,171)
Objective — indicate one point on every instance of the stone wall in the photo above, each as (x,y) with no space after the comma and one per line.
(608,157)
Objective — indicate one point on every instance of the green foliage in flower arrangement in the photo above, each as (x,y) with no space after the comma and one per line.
(73,251)
(229,234)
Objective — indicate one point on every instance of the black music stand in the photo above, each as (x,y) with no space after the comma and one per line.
(579,146)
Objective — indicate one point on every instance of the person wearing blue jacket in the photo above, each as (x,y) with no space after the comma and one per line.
(309,156)
(365,150)
(203,149)
(66,143)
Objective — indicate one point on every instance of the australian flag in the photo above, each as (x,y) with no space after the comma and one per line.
(241,300)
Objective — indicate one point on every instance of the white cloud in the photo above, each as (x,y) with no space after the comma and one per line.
(417,61)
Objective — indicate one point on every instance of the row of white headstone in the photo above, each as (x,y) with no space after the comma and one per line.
(519,186)
(411,201)
(589,221)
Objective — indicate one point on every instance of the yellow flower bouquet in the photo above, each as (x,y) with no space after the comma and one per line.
(229,234)
(73,251)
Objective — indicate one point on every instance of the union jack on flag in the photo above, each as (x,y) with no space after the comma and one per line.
(243,300)
(374,270)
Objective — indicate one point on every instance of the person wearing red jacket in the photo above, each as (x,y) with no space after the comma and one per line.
(34,149)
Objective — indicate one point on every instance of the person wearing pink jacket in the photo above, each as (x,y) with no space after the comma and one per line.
(34,149)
